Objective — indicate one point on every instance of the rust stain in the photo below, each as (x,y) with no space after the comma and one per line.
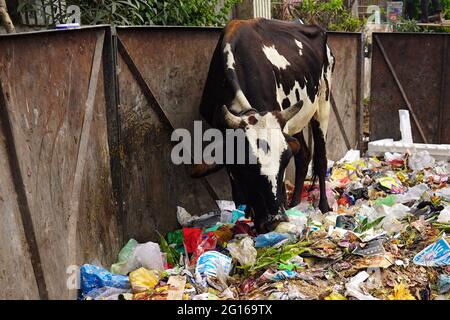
(233,27)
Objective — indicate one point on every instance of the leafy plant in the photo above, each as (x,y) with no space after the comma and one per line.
(270,256)
(330,14)
(139,12)
(156,12)
(365,225)
(406,25)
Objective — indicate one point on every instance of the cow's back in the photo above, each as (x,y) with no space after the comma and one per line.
(269,61)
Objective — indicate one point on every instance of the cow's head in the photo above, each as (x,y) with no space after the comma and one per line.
(259,181)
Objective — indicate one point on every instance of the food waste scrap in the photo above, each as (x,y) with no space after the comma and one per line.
(385,238)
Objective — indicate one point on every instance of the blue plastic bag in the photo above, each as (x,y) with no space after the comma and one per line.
(269,239)
(94,277)
(209,263)
(283,275)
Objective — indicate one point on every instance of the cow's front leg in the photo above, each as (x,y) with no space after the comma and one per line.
(302,160)
(320,163)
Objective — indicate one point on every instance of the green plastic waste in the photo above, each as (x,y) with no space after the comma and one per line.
(124,255)
(293,212)
(388,201)
(175,237)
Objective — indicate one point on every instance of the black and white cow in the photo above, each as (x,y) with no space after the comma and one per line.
(271,79)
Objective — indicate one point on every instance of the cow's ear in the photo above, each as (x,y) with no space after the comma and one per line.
(293,143)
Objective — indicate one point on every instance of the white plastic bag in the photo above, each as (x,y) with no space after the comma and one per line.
(421,160)
(243,251)
(444,216)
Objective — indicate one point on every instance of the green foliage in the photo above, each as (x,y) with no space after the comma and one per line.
(406,25)
(446,8)
(146,12)
(155,12)
(417,11)
(365,225)
(330,14)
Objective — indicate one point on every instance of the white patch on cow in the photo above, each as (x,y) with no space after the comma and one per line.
(302,118)
(309,108)
(240,103)
(323,113)
(330,63)
(230,56)
(300,45)
(268,129)
(275,57)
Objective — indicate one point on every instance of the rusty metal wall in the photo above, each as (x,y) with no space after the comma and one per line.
(56,190)
(345,133)
(416,67)
(173,63)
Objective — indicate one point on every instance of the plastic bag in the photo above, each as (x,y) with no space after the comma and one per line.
(206,244)
(243,251)
(351,156)
(288,227)
(297,217)
(413,194)
(270,239)
(212,263)
(206,220)
(143,279)
(149,256)
(278,275)
(175,237)
(391,223)
(444,283)
(135,255)
(421,160)
(353,287)
(390,200)
(192,238)
(444,216)
(124,255)
(183,216)
(106,293)
(94,277)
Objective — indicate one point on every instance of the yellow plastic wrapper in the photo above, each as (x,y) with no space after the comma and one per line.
(143,279)
(401,292)
(338,174)
(335,296)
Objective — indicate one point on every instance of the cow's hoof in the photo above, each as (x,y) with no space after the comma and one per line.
(324,207)
(293,204)
(273,222)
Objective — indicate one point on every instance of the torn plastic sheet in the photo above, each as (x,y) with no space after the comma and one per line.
(353,287)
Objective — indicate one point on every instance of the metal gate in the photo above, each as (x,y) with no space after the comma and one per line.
(57,208)
(411,71)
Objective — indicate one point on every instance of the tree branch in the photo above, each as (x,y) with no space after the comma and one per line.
(5,18)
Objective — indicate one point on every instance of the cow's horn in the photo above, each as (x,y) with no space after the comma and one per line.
(232,121)
(288,113)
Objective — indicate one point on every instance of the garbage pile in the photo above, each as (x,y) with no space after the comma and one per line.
(384,239)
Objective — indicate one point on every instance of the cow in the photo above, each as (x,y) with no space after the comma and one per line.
(270,76)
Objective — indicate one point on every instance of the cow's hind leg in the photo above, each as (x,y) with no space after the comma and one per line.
(302,160)
(320,163)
